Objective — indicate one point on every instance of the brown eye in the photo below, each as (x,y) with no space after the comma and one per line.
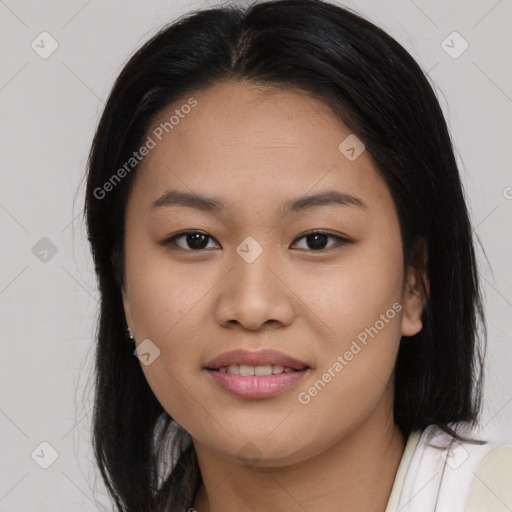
(198,241)
(316,240)
(193,240)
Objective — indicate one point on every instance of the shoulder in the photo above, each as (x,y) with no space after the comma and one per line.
(450,475)
(491,488)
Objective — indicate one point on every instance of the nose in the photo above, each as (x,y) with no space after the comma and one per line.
(255,293)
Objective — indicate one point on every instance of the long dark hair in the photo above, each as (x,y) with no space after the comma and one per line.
(378,90)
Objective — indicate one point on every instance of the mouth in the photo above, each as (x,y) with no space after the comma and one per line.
(256,374)
(262,362)
(246,370)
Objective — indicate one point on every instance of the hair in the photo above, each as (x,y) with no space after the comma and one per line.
(377,89)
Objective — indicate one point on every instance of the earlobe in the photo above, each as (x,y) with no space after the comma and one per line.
(414,298)
(412,310)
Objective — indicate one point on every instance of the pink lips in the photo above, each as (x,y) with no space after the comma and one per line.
(260,386)
(260,358)
(256,386)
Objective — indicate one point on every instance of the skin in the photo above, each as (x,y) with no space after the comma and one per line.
(256,148)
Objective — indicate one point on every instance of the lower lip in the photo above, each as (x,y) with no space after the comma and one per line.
(257,386)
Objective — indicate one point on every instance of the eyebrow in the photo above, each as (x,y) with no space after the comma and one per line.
(172,198)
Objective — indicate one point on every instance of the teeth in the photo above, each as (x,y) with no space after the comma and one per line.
(247,370)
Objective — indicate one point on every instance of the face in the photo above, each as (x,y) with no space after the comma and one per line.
(251,275)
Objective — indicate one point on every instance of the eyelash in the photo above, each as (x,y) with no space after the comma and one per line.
(341,241)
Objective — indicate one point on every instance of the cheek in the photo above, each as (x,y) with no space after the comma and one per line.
(165,295)
(360,301)
(169,308)
(351,294)
(356,369)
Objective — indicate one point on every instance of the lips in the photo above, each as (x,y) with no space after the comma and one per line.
(259,358)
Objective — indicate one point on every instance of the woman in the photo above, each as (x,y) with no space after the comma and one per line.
(276,215)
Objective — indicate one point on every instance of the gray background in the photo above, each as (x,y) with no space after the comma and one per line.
(48,301)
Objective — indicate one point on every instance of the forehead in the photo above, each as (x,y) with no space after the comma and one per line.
(252,142)
(232,112)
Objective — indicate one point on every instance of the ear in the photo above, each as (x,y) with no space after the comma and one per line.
(127,310)
(117,265)
(413,295)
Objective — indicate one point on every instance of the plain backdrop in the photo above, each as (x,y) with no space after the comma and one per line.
(48,298)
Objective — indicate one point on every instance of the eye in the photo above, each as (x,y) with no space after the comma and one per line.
(197,240)
(317,240)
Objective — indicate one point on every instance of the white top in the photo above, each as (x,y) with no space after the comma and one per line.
(437,473)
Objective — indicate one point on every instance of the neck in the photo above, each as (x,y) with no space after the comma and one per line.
(356,473)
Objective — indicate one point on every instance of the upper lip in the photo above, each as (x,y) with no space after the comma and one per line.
(259,358)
